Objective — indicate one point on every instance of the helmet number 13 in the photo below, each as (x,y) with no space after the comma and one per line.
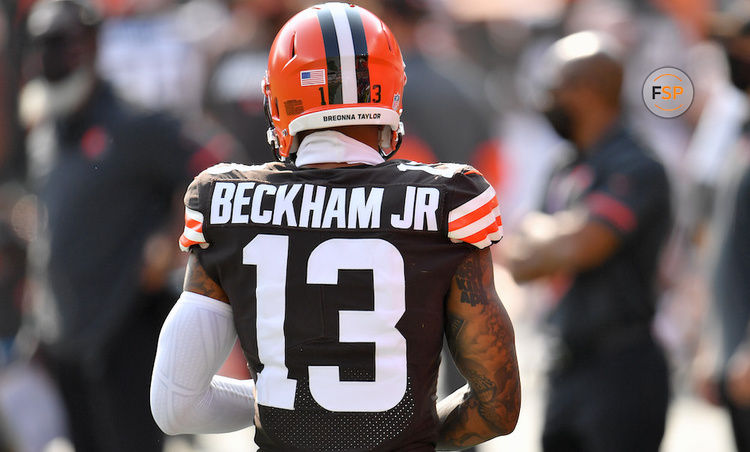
(269,253)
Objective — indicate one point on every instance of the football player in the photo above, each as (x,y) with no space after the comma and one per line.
(340,270)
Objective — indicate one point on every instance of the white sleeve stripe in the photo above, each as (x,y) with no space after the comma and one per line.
(490,239)
(194,236)
(497,235)
(471,205)
(483,244)
(193,214)
(474,227)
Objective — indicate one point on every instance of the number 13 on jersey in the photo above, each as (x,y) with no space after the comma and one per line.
(269,253)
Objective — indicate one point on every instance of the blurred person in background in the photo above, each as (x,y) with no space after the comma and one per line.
(606,216)
(438,98)
(149,51)
(731,290)
(12,283)
(729,259)
(107,176)
(156,54)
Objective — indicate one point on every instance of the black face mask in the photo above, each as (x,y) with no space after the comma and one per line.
(739,71)
(56,58)
(560,120)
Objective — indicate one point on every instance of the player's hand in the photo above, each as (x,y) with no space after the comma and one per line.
(159,257)
(707,388)
(534,228)
(705,380)
(738,377)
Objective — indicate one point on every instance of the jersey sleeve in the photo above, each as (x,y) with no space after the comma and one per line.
(473,212)
(193,235)
(630,196)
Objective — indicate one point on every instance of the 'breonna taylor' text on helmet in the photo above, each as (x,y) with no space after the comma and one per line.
(334,65)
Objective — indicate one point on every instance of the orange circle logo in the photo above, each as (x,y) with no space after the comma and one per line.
(668,92)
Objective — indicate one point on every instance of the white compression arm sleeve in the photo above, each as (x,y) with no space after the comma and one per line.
(186,394)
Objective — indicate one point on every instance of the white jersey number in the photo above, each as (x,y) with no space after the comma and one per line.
(270,254)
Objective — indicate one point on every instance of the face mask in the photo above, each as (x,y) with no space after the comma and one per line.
(739,70)
(560,120)
(58,58)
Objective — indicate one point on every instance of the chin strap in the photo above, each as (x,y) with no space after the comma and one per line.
(390,140)
(271,137)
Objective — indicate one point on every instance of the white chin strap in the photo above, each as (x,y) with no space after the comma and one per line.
(386,139)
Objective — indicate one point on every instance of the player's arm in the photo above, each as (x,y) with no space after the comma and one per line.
(590,233)
(186,394)
(570,242)
(481,339)
(198,281)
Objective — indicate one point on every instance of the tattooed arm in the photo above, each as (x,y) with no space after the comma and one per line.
(481,340)
(198,281)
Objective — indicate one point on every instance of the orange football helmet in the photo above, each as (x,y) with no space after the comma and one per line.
(332,65)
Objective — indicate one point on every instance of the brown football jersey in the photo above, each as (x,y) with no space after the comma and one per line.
(337,280)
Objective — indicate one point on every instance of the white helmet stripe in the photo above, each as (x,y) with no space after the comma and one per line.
(346,52)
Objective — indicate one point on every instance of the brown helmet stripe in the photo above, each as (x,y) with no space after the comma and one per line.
(333,59)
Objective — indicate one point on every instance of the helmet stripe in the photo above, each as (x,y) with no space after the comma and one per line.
(346,52)
(361,55)
(333,60)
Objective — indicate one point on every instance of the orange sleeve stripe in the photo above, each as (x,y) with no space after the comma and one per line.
(473,216)
(481,235)
(186,242)
(195,225)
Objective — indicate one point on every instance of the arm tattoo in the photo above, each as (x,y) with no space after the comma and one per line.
(480,336)
(473,280)
(454,326)
(198,281)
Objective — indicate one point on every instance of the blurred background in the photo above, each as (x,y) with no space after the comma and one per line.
(90,201)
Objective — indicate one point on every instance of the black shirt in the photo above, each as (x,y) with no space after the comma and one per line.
(105,179)
(624,188)
(731,232)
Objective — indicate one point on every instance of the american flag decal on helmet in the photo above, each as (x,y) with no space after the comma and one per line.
(313,77)
(193,233)
(477,221)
